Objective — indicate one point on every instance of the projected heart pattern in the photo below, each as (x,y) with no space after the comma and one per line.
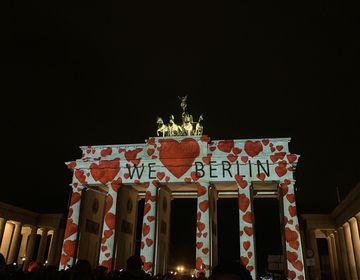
(202,228)
(185,160)
(107,242)
(148,228)
(292,232)
(72,224)
(247,254)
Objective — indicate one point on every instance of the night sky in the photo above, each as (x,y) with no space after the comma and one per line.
(91,73)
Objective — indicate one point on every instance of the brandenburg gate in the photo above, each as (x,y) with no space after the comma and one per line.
(108,180)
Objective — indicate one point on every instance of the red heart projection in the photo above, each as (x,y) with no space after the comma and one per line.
(160,175)
(253,148)
(199,244)
(226,145)
(75,197)
(110,220)
(106,152)
(291,157)
(294,244)
(281,169)
(290,235)
(290,197)
(292,211)
(108,203)
(244,202)
(149,242)
(146,229)
(240,180)
(132,156)
(108,233)
(178,157)
(292,256)
(64,260)
(147,265)
(298,265)
(246,245)
(200,226)
(201,190)
(147,208)
(244,260)
(237,150)
(248,230)
(247,217)
(207,159)
(79,174)
(232,157)
(205,250)
(105,171)
(150,218)
(71,228)
(69,247)
(204,205)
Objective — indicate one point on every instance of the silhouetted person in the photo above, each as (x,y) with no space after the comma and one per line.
(230,271)
(3,271)
(133,270)
(82,271)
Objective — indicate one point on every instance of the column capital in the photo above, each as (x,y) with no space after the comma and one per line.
(352,220)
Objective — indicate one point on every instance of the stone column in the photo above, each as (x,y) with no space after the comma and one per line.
(107,248)
(203,230)
(335,256)
(315,271)
(2,228)
(294,255)
(148,241)
(24,242)
(42,246)
(247,241)
(53,247)
(331,258)
(338,253)
(69,248)
(350,251)
(14,246)
(357,216)
(356,242)
(30,247)
(344,253)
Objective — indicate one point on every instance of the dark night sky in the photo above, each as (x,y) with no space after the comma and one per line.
(84,72)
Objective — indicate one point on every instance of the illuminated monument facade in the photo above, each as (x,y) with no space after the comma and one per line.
(108,181)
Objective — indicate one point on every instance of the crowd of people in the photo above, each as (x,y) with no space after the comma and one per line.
(82,271)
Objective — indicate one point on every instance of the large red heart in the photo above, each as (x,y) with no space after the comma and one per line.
(110,220)
(292,210)
(106,170)
(244,260)
(244,202)
(71,228)
(290,235)
(292,256)
(253,148)
(226,145)
(69,247)
(204,205)
(131,155)
(246,245)
(178,157)
(79,174)
(247,217)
